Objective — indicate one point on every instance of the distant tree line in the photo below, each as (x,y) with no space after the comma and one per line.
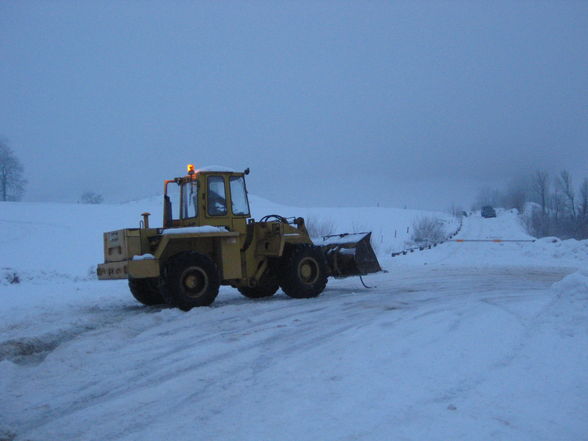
(89,197)
(553,205)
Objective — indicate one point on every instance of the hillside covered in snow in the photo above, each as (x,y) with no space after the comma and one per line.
(473,340)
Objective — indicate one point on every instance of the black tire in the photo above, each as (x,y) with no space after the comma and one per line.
(267,286)
(190,280)
(146,291)
(303,272)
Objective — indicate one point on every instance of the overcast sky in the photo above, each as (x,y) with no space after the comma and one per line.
(414,104)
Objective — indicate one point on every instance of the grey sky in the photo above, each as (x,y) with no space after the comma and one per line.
(329,103)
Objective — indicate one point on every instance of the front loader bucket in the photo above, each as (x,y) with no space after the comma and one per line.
(349,254)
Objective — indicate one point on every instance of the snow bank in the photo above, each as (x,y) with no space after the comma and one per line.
(554,248)
(574,284)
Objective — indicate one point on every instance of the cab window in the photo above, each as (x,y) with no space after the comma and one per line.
(240,205)
(217,201)
(189,207)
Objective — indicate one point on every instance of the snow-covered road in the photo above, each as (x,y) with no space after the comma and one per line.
(466,341)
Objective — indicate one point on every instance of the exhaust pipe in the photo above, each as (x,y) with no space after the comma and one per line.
(145,219)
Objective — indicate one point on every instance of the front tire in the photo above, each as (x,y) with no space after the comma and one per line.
(303,272)
(191,280)
(146,291)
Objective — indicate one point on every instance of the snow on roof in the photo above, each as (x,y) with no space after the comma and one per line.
(192,230)
(216,168)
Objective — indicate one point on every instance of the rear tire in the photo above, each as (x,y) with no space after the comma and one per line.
(146,291)
(191,280)
(266,287)
(303,272)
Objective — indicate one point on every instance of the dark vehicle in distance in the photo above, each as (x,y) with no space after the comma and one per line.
(488,211)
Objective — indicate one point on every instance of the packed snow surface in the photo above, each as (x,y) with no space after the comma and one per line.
(466,341)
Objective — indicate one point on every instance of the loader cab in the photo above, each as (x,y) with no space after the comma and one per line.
(210,196)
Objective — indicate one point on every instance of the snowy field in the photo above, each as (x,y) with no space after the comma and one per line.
(467,341)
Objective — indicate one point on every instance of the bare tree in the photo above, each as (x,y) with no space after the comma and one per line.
(563,216)
(540,187)
(557,203)
(564,183)
(12,182)
(584,199)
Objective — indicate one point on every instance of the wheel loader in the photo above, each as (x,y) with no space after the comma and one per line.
(209,239)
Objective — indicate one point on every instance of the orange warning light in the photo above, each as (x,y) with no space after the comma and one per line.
(190,169)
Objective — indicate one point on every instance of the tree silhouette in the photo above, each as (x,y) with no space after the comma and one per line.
(12,182)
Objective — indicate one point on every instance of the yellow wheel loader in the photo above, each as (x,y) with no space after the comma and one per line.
(209,239)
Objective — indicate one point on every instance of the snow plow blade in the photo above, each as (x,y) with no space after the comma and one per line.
(349,254)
